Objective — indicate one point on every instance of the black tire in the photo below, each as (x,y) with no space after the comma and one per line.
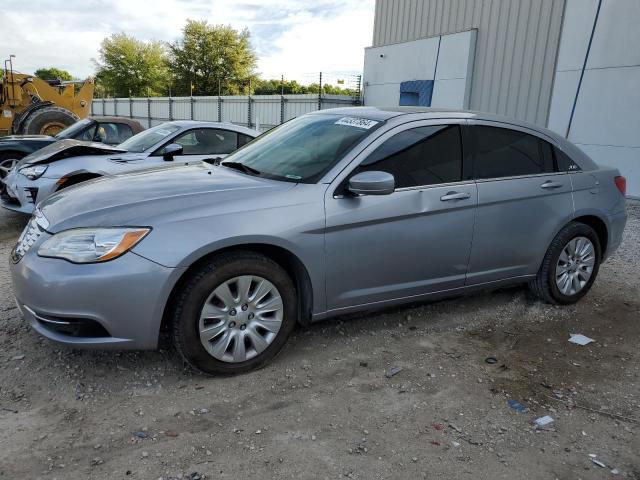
(185,314)
(40,120)
(544,285)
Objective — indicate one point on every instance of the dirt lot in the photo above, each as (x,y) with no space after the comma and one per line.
(325,409)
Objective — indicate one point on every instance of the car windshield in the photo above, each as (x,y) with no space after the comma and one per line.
(148,138)
(303,149)
(73,130)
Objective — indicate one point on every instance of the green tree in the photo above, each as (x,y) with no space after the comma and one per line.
(330,89)
(274,87)
(211,59)
(53,73)
(128,66)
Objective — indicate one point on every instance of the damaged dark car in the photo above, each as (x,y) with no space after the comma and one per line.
(107,130)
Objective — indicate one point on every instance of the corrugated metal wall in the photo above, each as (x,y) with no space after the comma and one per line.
(266,110)
(516,47)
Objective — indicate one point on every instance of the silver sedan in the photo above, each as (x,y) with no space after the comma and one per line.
(69,162)
(333,212)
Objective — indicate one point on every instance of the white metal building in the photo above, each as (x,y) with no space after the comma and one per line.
(571,65)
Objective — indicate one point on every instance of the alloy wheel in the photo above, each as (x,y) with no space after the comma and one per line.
(6,166)
(241,318)
(575,265)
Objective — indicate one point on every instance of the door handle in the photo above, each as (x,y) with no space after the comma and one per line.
(455,196)
(550,184)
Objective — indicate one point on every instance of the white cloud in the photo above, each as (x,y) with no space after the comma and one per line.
(292,37)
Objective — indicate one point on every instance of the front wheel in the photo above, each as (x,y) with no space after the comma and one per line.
(7,162)
(234,314)
(570,265)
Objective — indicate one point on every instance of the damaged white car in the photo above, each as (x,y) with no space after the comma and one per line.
(69,162)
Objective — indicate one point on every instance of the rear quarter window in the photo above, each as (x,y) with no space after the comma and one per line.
(565,162)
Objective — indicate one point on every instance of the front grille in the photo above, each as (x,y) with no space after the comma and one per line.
(34,229)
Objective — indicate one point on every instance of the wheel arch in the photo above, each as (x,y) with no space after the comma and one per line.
(589,218)
(600,227)
(76,178)
(288,260)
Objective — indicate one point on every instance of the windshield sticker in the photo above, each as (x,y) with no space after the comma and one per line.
(357,122)
(293,177)
(164,133)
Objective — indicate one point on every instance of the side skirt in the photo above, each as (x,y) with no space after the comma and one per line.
(432,296)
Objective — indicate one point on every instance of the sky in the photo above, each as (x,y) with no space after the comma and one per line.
(293,38)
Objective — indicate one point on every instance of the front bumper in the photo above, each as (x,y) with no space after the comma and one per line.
(20,194)
(117,304)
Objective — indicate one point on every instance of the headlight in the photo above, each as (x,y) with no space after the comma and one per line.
(89,245)
(33,172)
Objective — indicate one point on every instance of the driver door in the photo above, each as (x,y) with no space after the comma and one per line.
(409,243)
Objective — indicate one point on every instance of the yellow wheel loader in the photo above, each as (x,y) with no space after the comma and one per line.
(32,106)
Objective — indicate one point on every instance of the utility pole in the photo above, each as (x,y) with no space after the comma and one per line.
(282,99)
(320,93)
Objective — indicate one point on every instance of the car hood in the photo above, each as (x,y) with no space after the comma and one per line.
(146,197)
(67,148)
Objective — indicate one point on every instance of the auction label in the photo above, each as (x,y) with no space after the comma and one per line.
(357,122)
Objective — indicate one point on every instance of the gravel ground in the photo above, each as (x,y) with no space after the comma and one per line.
(325,409)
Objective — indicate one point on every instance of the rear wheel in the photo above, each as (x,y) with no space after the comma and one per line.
(7,162)
(234,314)
(48,121)
(570,265)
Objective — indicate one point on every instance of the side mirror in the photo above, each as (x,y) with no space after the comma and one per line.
(372,183)
(171,151)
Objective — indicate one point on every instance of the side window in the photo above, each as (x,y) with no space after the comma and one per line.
(88,135)
(243,139)
(500,152)
(114,133)
(420,156)
(207,141)
(565,163)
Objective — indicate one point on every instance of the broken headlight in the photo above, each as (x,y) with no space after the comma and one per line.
(33,172)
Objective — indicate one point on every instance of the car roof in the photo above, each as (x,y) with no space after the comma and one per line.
(428,113)
(184,124)
(135,125)
(385,113)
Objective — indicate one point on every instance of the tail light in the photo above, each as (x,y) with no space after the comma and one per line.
(621,184)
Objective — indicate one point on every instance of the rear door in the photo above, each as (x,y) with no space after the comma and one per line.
(522,200)
(415,240)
